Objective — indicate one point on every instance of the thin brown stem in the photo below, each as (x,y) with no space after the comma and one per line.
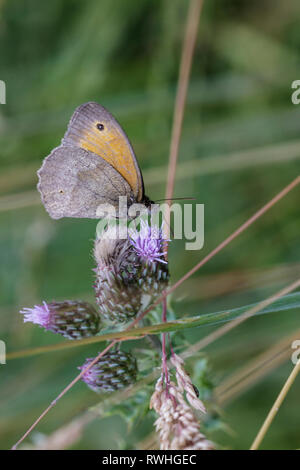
(187,53)
(255,369)
(253,377)
(164,351)
(274,410)
(63,392)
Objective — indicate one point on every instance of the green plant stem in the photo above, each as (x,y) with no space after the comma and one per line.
(285,303)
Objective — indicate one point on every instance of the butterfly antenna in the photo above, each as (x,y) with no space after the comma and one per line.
(177,199)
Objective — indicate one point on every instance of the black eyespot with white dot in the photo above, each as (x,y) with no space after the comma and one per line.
(100,126)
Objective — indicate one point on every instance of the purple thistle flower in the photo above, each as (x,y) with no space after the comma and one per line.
(90,376)
(39,314)
(148,243)
(72,319)
(111,372)
(128,270)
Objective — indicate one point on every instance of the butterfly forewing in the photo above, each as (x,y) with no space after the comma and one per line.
(94,129)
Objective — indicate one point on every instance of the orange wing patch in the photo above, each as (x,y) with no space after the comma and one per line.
(110,143)
(115,150)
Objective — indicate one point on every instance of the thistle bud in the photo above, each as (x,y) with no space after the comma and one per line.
(72,319)
(112,372)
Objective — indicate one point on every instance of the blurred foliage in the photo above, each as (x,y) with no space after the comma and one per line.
(240,146)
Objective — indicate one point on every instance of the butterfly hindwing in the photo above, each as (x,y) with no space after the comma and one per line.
(73,182)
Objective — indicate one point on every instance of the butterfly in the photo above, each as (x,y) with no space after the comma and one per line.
(94,165)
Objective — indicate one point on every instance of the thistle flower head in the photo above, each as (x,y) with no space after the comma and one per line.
(148,243)
(128,271)
(113,371)
(72,319)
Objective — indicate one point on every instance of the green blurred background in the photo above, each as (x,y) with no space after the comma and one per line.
(240,146)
